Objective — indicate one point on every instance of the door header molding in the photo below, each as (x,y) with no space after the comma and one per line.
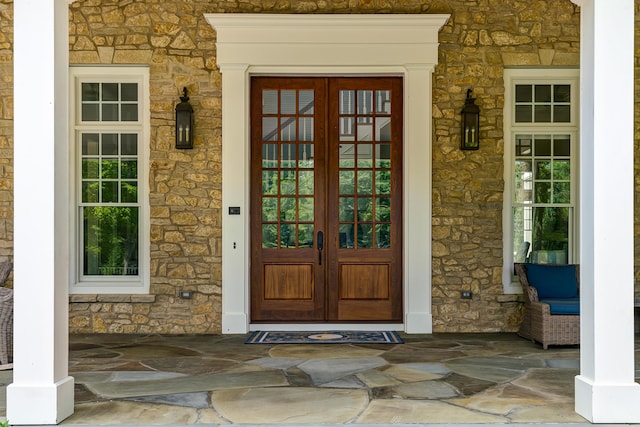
(349,40)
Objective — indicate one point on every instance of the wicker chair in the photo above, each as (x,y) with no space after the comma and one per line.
(539,324)
(6,316)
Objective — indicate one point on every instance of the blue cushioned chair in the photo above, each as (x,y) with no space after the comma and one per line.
(552,303)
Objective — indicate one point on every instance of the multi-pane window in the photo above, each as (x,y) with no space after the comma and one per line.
(365,168)
(110,203)
(542,199)
(109,133)
(541,131)
(288,168)
(109,102)
(543,103)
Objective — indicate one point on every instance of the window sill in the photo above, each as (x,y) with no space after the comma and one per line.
(131,298)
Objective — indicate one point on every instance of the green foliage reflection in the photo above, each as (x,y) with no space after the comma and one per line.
(110,240)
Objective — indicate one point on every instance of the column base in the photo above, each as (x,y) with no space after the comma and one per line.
(40,404)
(418,323)
(235,323)
(607,403)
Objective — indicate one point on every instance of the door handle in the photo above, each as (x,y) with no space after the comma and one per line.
(320,246)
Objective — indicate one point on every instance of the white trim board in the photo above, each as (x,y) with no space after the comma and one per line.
(252,44)
(317,327)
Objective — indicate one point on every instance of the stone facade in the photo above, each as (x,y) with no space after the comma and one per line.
(481,38)
(6,130)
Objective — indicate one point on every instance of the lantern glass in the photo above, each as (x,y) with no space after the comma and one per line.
(470,125)
(184,123)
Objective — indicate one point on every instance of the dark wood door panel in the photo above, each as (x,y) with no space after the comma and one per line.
(364,282)
(288,282)
(287,198)
(326,157)
(365,201)
(365,310)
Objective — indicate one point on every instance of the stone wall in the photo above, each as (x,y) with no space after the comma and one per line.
(174,40)
(481,38)
(6,131)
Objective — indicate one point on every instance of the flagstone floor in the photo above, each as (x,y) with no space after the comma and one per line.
(440,378)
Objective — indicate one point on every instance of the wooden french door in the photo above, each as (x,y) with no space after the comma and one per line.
(326,199)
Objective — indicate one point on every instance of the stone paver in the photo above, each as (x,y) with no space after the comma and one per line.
(408,374)
(434,368)
(548,413)
(563,363)
(185,365)
(426,390)
(187,384)
(290,405)
(276,362)
(557,382)
(323,351)
(193,400)
(376,378)
(326,370)
(394,411)
(346,382)
(498,368)
(136,413)
(502,399)
(439,378)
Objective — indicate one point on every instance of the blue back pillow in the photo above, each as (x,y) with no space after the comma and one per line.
(553,281)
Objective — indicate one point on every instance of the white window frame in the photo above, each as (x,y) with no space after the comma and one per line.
(570,76)
(140,283)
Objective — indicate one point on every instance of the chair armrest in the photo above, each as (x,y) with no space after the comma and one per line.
(540,308)
(530,293)
(5,270)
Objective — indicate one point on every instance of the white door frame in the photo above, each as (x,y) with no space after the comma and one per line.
(261,44)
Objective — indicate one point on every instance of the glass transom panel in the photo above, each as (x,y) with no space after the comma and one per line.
(109,102)
(543,103)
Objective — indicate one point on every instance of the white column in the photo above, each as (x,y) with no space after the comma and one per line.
(42,391)
(605,389)
(235,169)
(417,199)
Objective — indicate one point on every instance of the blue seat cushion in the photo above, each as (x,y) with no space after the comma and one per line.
(553,281)
(563,305)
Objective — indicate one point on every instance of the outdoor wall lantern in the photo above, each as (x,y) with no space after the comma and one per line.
(470,137)
(184,122)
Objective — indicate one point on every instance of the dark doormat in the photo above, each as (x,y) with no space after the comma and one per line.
(325,337)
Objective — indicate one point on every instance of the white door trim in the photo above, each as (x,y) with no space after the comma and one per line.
(250,44)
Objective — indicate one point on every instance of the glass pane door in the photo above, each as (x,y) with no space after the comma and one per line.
(287,168)
(326,207)
(364,168)
(287,199)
